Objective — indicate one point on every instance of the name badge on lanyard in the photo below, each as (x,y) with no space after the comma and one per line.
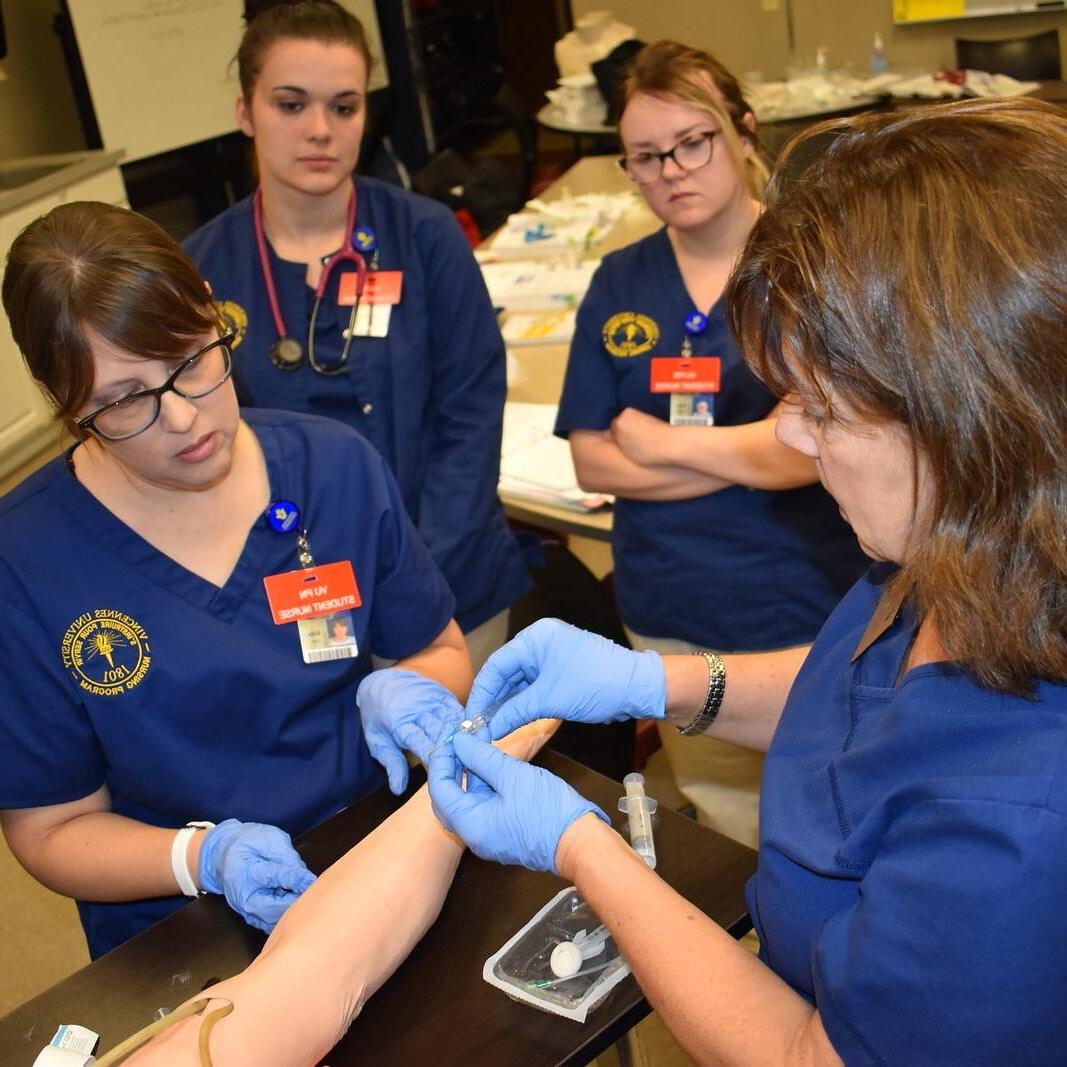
(318,598)
(692,381)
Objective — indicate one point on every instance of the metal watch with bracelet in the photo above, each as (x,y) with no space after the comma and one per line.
(712,701)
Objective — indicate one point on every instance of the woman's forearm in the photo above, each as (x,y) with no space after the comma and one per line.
(602,467)
(720,1003)
(84,850)
(748,455)
(757,685)
(445,660)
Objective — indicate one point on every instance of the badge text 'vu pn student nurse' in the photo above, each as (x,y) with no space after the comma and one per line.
(320,600)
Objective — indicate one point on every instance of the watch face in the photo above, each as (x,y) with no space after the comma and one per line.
(286,353)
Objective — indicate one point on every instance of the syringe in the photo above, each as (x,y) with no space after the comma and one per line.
(640,809)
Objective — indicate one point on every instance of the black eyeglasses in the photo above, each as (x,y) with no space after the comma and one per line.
(690,153)
(194,378)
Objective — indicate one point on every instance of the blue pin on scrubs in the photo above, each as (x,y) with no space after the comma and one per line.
(283,516)
(695,325)
(365,240)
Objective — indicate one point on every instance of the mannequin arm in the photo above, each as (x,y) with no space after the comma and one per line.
(335,946)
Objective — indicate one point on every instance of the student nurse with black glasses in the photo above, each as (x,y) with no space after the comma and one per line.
(396,336)
(722,537)
(174,707)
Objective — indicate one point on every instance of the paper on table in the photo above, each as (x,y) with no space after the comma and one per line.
(538,327)
(571,224)
(529,285)
(536,464)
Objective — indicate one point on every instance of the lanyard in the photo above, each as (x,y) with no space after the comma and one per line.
(695,325)
(286,353)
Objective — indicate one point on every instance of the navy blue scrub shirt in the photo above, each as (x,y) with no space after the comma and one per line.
(435,384)
(913,853)
(741,569)
(121,668)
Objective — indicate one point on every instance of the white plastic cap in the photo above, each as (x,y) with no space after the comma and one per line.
(566,959)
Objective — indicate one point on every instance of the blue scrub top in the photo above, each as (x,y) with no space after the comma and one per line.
(435,384)
(198,706)
(913,856)
(741,569)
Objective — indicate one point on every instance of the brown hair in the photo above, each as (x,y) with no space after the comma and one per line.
(94,267)
(668,68)
(918,270)
(310,20)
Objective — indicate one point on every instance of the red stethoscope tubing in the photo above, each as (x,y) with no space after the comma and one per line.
(346,254)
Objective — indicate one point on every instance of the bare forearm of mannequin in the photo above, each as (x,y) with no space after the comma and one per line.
(721,1003)
(445,660)
(336,945)
(748,455)
(602,467)
(757,685)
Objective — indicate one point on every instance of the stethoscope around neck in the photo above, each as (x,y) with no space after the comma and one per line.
(286,353)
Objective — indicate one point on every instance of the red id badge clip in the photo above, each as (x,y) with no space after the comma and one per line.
(678,374)
(311,592)
(381,287)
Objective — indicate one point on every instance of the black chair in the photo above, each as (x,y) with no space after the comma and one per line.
(1034,58)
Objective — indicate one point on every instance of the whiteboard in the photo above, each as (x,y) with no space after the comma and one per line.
(160,72)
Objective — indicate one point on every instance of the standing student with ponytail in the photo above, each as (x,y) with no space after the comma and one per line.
(395,336)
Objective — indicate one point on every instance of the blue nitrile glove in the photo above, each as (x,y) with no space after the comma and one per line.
(555,670)
(513,813)
(256,867)
(403,709)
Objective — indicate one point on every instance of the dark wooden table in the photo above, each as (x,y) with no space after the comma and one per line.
(436,1009)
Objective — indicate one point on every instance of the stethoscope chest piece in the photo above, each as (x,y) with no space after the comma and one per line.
(286,354)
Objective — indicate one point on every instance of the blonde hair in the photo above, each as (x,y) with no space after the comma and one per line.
(668,68)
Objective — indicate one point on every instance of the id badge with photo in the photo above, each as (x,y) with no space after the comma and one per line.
(692,383)
(320,600)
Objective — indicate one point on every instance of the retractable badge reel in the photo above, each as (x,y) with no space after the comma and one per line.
(691,381)
(319,598)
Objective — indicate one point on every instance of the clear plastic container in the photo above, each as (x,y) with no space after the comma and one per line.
(522,968)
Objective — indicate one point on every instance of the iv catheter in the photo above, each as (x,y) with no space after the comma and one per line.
(467,726)
(640,809)
(548,983)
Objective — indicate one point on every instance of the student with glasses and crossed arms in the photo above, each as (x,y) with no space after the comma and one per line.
(721,539)
(164,726)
